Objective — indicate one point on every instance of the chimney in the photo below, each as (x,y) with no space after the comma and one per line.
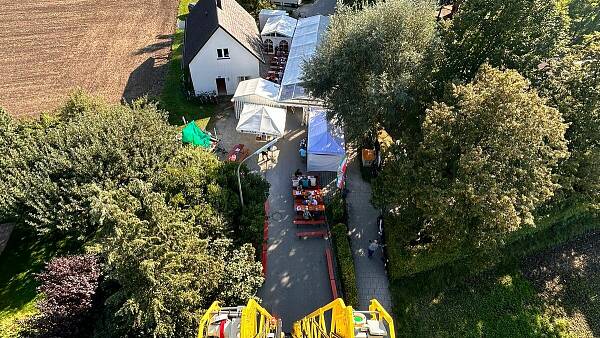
(219,4)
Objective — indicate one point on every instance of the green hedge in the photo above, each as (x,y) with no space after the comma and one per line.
(345,264)
(336,209)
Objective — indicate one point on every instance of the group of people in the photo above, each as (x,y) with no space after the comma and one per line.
(309,197)
(303,180)
(302,150)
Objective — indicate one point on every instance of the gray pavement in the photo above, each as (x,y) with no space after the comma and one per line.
(370,273)
(297,281)
(323,7)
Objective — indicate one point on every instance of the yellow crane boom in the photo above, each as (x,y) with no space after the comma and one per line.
(334,320)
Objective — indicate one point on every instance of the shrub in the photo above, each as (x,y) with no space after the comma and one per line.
(345,263)
(336,209)
(57,165)
(166,266)
(69,285)
(247,222)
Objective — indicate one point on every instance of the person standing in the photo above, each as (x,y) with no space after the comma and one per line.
(373,245)
(302,152)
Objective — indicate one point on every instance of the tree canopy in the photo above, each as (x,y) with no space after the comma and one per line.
(584,18)
(167,267)
(514,34)
(55,166)
(572,84)
(372,68)
(163,218)
(486,161)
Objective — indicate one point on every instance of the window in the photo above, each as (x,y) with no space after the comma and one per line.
(268,46)
(243,78)
(223,53)
(283,46)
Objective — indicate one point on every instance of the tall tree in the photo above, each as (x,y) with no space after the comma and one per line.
(515,34)
(486,161)
(163,217)
(59,163)
(373,67)
(572,84)
(585,18)
(166,269)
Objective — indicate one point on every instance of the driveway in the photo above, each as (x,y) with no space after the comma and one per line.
(297,281)
(323,7)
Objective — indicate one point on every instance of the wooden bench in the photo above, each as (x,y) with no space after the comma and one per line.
(316,233)
(318,221)
(331,274)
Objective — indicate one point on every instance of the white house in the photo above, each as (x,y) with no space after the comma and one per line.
(265,14)
(278,33)
(222,47)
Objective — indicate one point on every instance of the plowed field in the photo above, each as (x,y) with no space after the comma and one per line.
(116,49)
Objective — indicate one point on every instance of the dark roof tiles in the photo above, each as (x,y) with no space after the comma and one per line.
(205,18)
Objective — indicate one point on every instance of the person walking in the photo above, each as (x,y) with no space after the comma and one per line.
(373,245)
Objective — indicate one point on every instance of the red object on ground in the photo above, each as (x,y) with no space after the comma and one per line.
(265,238)
(331,274)
(317,233)
(222,329)
(302,221)
(238,153)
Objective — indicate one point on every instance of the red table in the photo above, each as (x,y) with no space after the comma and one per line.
(238,153)
(299,207)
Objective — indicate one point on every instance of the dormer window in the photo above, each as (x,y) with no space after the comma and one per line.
(223,53)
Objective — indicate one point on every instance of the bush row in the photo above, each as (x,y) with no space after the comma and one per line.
(345,264)
(337,209)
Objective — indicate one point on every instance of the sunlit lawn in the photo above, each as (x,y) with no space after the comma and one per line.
(173,98)
(21,259)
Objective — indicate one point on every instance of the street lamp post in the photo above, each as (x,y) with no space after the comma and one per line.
(266,146)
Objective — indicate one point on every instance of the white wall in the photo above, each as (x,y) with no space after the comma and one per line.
(254,99)
(205,68)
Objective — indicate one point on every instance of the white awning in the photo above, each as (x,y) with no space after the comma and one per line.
(256,119)
(307,36)
(272,12)
(259,87)
(326,148)
(283,25)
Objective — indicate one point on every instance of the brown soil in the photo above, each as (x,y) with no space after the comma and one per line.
(111,48)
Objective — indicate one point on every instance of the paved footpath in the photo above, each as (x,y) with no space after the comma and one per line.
(370,273)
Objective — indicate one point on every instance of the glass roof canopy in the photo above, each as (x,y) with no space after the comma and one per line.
(308,34)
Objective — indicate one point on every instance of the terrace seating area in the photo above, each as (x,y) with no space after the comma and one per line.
(277,64)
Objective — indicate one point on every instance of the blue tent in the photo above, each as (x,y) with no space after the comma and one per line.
(326,148)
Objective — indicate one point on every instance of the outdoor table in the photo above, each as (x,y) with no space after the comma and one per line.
(238,153)
(312,179)
(300,207)
(304,192)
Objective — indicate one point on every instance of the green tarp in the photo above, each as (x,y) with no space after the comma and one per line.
(193,135)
